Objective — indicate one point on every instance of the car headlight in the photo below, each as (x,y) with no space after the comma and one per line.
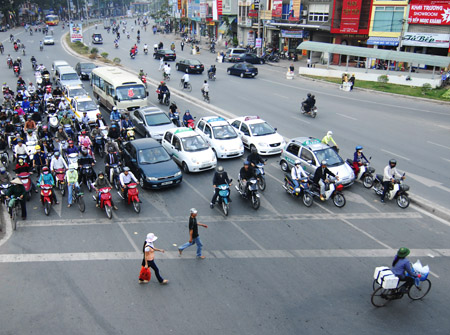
(194,160)
(152,178)
(178,174)
(262,144)
(213,157)
(222,147)
(241,146)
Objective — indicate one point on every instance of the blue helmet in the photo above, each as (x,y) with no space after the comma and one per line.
(246,163)
(358,147)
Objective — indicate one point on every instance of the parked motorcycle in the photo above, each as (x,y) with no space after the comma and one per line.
(332,191)
(302,190)
(365,173)
(250,192)
(46,197)
(132,196)
(397,191)
(105,200)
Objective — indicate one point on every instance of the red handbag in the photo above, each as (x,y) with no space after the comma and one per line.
(145,274)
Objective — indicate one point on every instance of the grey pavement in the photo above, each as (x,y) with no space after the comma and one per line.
(284,268)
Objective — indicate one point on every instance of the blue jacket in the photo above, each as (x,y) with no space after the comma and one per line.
(358,159)
(115,115)
(402,267)
(70,150)
(46,179)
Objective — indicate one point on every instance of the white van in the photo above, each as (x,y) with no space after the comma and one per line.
(66,75)
(56,64)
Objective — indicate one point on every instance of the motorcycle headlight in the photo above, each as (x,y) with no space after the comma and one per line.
(178,174)
(83,73)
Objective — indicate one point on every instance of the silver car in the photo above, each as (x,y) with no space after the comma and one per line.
(151,122)
(311,151)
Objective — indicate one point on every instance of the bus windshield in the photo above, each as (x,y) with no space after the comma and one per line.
(131,92)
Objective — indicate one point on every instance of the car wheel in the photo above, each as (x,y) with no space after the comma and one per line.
(284,166)
(185,167)
(141,182)
(242,75)
(229,71)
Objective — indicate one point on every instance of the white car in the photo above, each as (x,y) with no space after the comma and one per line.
(257,133)
(83,104)
(72,91)
(189,150)
(221,136)
(48,40)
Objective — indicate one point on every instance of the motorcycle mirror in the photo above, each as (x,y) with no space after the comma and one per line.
(275,129)
(146,93)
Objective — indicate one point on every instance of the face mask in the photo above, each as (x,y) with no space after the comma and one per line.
(101,177)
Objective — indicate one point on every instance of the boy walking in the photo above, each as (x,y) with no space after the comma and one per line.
(194,238)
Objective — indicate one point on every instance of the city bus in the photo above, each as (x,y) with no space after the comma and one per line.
(52,20)
(114,87)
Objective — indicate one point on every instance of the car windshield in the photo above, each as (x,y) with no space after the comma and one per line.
(224,132)
(330,156)
(157,119)
(261,129)
(131,92)
(77,92)
(69,76)
(48,38)
(194,143)
(86,106)
(153,155)
(87,66)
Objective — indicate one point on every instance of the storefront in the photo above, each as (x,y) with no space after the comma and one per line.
(290,39)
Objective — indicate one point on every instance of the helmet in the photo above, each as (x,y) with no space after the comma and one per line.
(57,153)
(392,162)
(254,150)
(70,142)
(45,169)
(126,169)
(20,160)
(163,83)
(324,162)
(72,166)
(2,170)
(358,147)
(84,151)
(309,95)
(60,127)
(297,162)
(37,147)
(44,127)
(329,133)
(114,126)
(246,163)
(99,115)
(83,132)
(220,169)
(114,108)
(193,211)
(84,112)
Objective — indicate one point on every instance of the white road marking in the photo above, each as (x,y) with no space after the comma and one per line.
(129,237)
(442,126)
(346,116)
(391,153)
(8,227)
(439,145)
(445,159)
(433,274)
(217,254)
(434,217)
(243,232)
(300,119)
(281,96)
(428,182)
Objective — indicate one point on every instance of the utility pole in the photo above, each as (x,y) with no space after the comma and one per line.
(68,6)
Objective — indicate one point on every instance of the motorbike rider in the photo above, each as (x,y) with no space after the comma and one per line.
(309,103)
(212,70)
(163,89)
(205,88)
(5,177)
(297,173)
(390,172)
(19,149)
(186,117)
(245,174)
(29,125)
(66,120)
(111,146)
(43,132)
(16,64)
(358,159)
(39,159)
(85,121)
(220,178)
(61,135)
(145,48)
(126,123)
(126,177)
(17,189)
(99,121)
(320,177)
(141,73)
(172,110)
(114,132)
(102,182)
(111,158)
(167,71)
(57,162)
(30,136)
(84,141)
(46,178)
(185,80)
(401,267)
(31,88)
(328,139)
(71,148)
(85,159)
(33,60)
(20,82)
(115,115)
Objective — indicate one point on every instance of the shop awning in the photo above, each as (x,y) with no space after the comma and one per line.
(223,28)
(399,56)
(375,40)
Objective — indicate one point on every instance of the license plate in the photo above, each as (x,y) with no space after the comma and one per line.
(167,183)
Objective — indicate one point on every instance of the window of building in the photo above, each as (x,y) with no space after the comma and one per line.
(388,19)
(318,12)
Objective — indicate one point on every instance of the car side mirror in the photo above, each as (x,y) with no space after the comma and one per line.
(146,93)
(98,106)
(275,129)
(133,160)
(309,161)
(115,97)
(140,122)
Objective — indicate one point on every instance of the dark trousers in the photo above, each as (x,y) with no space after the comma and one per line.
(152,264)
(23,205)
(386,186)
(409,281)
(216,194)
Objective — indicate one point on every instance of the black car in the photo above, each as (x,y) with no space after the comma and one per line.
(243,70)
(248,58)
(151,164)
(166,54)
(97,39)
(190,66)
(84,69)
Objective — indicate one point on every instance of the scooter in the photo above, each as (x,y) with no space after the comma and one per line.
(105,200)
(114,173)
(4,158)
(143,78)
(31,149)
(16,70)
(69,131)
(365,173)
(132,196)
(332,191)
(145,51)
(26,181)
(211,76)
(87,176)
(302,190)
(397,191)
(99,145)
(260,175)
(164,99)
(46,197)
(250,192)
(60,180)
(130,135)
(224,197)
(175,118)
(312,112)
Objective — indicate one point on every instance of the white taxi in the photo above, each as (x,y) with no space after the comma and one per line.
(189,150)
(83,104)
(257,133)
(72,91)
(221,136)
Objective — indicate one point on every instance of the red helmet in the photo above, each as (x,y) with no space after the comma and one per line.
(70,142)
(45,169)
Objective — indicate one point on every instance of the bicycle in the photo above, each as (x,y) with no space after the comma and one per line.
(77,197)
(186,86)
(166,76)
(205,96)
(14,207)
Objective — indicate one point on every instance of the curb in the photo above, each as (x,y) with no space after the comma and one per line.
(8,226)
(432,208)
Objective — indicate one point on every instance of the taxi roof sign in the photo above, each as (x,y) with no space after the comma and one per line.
(182,130)
(253,117)
(216,119)
(311,141)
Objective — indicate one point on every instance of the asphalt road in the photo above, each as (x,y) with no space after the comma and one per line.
(284,268)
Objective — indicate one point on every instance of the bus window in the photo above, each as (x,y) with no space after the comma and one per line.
(131,92)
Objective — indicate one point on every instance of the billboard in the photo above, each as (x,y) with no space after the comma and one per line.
(435,12)
(277,8)
(76,32)
(427,40)
(351,11)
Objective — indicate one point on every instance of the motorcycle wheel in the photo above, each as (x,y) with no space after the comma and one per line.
(313,114)
(256,202)
(262,183)
(108,211)
(62,189)
(81,204)
(225,208)
(137,206)
(167,102)
(47,208)
(116,184)
(28,195)
(88,184)
(339,200)
(368,181)
(403,201)
(307,200)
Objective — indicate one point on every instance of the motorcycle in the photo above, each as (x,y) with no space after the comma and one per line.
(9,62)
(397,190)
(211,76)
(114,173)
(332,191)
(26,181)
(302,190)
(224,197)
(175,118)
(60,180)
(53,122)
(99,145)
(132,196)
(312,112)
(146,51)
(87,176)
(46,197)
(250,192)
(16,70)
(164,99)
(143,78)
(166,76)
(105,200)
(34,65)
(4,158)
(365,173)
(116,45)
(69,131)
(132,55)
(260,175)
(130,136)
(31,149)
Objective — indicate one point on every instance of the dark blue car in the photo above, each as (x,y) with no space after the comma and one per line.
(243,70)
(151,164)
